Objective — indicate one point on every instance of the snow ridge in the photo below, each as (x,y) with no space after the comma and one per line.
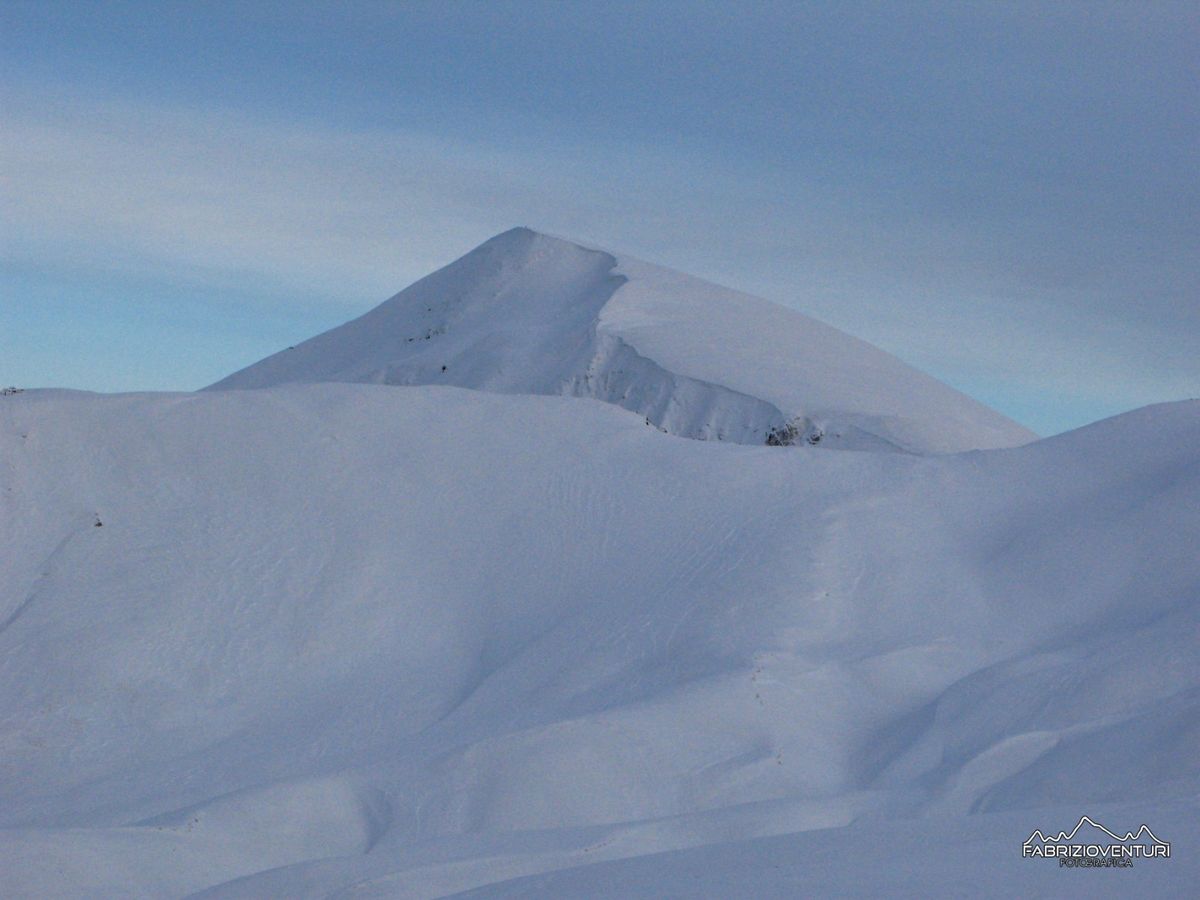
(528,313)
(676,404)
(322,641)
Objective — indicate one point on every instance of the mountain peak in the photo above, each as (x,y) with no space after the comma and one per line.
(521,238)
(527,312)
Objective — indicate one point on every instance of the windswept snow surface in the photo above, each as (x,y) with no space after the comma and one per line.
(525,313)
(360,640)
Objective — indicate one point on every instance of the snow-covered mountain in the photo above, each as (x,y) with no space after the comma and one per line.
(360,633)
(422,640)
(530,314)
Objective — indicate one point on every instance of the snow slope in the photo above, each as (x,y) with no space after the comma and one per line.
(529,314)
(408,642)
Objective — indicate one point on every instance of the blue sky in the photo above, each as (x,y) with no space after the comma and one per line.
(1005,195)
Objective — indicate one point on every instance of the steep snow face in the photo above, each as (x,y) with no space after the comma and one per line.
(288,641)
(527,313)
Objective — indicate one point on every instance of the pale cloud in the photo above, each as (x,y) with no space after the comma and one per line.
(350,215)
(340,215)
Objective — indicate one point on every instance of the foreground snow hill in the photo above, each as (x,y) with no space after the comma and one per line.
(407,642)
(530,314)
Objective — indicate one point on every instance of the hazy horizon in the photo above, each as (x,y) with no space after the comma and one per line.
(1001,195)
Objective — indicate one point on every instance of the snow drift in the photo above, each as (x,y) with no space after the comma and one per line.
(293,641)
(530,314)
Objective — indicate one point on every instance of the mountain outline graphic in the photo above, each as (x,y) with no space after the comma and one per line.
(1064,837)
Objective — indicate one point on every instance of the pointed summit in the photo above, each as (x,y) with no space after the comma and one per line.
(529,313)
